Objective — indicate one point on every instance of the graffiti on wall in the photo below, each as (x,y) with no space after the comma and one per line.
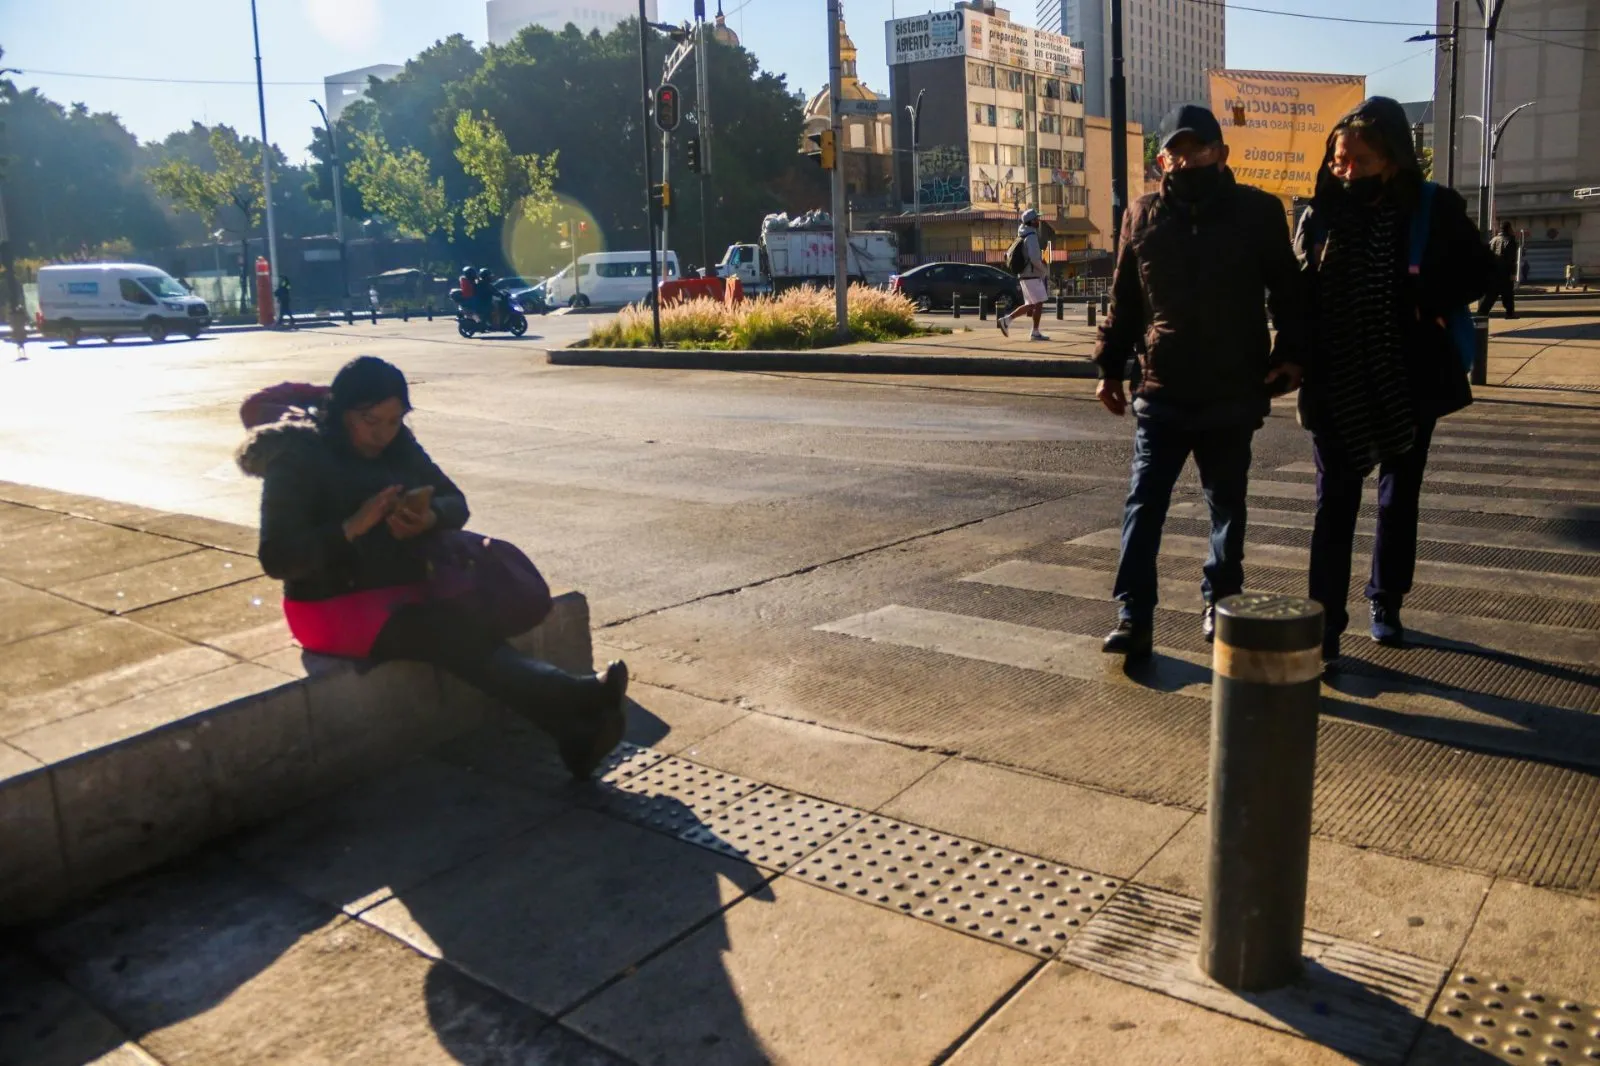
(943,170)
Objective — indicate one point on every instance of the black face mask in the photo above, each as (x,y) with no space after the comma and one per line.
(1364,190)
(1195,184)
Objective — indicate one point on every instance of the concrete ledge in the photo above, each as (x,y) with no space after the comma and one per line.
(829,362)
(102,795)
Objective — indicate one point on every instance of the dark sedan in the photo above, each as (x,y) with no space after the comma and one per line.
(936,285)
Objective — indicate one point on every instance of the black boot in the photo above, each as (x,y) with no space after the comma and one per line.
(1132,639)
(583,713)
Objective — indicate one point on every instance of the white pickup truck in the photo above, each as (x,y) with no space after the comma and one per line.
(800,252)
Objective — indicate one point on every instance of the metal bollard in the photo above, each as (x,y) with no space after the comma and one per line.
(1105,302)
(349,316)
(1061,306)
(374,316)
(1091,316)
(983,308)
(955,306)
(405,313)
(1265,690)
(430,310)
(1480,354)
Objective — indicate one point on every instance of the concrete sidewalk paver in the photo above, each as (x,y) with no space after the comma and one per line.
(803,976)
(72,549)
(45,1023)
(1549,940)
(1354,893)
(551,915)
(26,612)
(1068,1015)
(1097,830)
(131,588)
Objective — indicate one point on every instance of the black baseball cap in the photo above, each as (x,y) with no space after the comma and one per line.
(1190,118)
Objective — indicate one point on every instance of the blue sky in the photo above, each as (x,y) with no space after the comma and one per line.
(304,40)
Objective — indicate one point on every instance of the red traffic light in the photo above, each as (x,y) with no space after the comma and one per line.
(668,113)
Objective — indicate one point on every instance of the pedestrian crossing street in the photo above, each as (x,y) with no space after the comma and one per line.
(1503,625)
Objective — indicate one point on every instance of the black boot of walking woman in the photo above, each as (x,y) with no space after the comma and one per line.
(584,713)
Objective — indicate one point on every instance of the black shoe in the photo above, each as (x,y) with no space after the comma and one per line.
(1330,654)
(584,714)
(585,744)
(1208,623)
(1133,639)
(1386,627)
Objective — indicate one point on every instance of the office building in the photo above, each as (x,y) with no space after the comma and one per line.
(1002,130)
(342,90)
(507,18)
(1167,47)
(1546,52)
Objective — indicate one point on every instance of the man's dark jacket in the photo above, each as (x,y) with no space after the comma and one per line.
(1190,296)
(313,481)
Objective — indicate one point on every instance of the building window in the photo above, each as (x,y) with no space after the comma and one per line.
(1049,123)
(983,114)
(1072,127)
(1074,194)
(1050,158)
(1071,160)
(1011,118)
(1011,155)
(982,153)
(1012,82)
(1049,194)
(1052,89)
(1075,92)
(1016,193)
(981,75)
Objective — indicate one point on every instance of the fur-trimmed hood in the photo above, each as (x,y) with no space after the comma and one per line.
(266,443)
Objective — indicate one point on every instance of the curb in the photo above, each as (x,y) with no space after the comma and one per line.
(818,362)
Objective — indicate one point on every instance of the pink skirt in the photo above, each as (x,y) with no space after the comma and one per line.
(349,625)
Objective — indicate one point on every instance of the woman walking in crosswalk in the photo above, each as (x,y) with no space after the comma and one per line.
(1391,260)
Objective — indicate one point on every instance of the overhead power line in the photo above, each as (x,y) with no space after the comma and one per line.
(159,81)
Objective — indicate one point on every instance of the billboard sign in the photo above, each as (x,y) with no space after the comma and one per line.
(936,35)
(1276,123)
(944,34)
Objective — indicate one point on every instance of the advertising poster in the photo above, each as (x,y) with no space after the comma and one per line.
(1277,123)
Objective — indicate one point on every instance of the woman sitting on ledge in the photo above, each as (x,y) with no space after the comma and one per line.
(349,505)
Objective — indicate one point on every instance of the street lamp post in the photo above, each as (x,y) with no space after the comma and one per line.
(1491,21)
(915,112)
(338,195)
(266,154)
(1491,137)
(1453,38)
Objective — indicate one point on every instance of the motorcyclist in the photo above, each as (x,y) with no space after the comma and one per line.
(489,309)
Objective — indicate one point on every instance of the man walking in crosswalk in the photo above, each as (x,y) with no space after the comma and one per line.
(1198,267)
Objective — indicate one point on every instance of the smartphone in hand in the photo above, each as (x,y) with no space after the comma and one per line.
(417,500)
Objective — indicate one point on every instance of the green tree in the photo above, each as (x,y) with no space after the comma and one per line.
(399,185)
(232,182)
(506,180)
(1425,157)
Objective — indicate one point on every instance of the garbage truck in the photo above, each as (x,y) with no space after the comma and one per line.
(799,251)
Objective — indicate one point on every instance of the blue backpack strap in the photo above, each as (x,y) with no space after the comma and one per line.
(1421,223)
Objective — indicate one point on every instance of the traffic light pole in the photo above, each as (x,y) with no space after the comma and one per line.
(841,248)
(1119,130)
(649,180)
(702,114)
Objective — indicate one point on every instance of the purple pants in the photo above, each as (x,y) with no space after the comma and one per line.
(1394,550)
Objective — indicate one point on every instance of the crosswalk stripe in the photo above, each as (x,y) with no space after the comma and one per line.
(1437,501)
(1426,710)
(1561,643)
(1459,477)
(1492,444)
(1436,532)
(1450,575)
(1527,462)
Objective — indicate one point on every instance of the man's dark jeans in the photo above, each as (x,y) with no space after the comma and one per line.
(1160,448)
(1394,549)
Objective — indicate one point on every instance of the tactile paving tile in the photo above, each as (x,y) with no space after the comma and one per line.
(773,828)
(670,794)
(626,762)
(1363,1001)
(1005,897)
(1480,1019)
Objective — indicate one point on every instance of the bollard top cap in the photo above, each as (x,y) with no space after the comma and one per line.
(1266,621)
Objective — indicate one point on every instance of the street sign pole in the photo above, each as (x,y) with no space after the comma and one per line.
(1119,129)
(649,180)
(841,262)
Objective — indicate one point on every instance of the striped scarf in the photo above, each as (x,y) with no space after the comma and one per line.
(1367,389)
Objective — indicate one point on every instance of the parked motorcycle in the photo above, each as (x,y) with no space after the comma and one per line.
(510,316)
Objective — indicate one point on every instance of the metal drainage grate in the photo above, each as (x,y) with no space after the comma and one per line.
(773,828)
(1024,902)
(1480,1019)
(671,794)
(1363,1001)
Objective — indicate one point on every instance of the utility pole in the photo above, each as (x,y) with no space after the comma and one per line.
(915,111)
(702,116)
(1119,131)
(338,196)
(266,155)
(1486,152)
(649,180)
(841,247)
(1450,114)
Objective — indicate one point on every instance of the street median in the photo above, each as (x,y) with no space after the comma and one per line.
(849,360)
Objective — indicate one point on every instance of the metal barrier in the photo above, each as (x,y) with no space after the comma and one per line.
(1265,690)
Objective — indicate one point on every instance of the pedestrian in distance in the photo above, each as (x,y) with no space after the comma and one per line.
(1026,261)
(282,295)
(19,332)
(1392,263)
(1503,284)
(1199,266)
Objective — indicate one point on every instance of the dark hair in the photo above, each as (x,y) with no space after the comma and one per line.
(1381,123)
(361,383)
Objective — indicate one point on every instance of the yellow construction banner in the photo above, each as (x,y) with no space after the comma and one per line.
(1276,123)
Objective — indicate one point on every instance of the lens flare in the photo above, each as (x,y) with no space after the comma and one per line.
(537,249)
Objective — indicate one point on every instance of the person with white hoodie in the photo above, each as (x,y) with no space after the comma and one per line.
(1026,260)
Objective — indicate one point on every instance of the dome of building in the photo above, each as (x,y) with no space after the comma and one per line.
(721,32)
(850,87)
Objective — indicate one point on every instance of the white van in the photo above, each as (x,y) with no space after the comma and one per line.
(607,279)
(115,299)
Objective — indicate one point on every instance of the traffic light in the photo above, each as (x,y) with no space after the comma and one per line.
(661,196)
(667,110)
(564,230)
(820,148)
(691,151)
